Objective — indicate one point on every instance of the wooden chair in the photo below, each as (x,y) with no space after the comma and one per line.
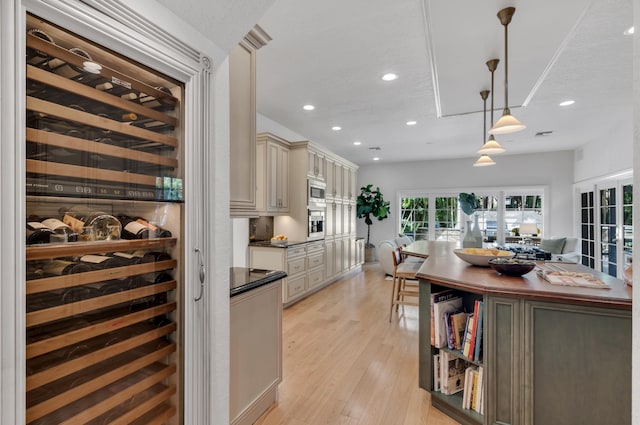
(403,270)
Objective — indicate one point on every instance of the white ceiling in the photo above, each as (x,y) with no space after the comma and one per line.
(332,54)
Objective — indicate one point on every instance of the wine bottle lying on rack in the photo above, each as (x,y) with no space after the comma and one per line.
(37,57)
(157,230)
(38,233)
(61,229)
(99,262)
(92,225)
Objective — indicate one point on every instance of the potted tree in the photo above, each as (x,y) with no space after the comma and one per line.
(371,203)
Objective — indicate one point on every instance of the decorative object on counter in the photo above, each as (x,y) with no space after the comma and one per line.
(469,205)
(371,203)
(481,256)
(280,240)
(512,266)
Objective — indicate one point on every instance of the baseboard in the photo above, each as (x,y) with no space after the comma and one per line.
(258,407)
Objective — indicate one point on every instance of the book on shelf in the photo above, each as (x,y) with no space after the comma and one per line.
(439,311)
(467,335)
(448,323)
(437,297)
(479,394)
(459,323)
(476,317)
(478,337)
(436,372)
(452,369)
(468,381)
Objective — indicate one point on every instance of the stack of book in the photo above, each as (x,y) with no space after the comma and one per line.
(472,397)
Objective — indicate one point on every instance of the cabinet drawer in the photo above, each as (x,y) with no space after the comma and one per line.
(316,278)
(295,287)
(312,248)
(296,252)
(296,266)
(315,260)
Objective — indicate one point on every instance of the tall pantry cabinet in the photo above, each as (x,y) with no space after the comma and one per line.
(110,280)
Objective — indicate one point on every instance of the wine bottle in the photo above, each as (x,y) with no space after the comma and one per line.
(131,229)
(163,277)
(133,259)
(158,231)
(38,233)
(60,228)
(153,103)
(38,57)
(98,262)
(90,224)
(63,267)
(68,70)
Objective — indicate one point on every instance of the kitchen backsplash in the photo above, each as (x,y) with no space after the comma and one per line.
(261,228)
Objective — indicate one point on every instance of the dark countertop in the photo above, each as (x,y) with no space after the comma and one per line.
(268,244)
(244,279)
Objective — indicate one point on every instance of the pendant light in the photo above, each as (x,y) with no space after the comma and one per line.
(484,160)
(492,147)
(507,122)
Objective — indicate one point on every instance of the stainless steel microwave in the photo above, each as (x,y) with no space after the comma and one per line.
(316,194)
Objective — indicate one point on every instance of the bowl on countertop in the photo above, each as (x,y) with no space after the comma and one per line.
(512,266)
(481,256)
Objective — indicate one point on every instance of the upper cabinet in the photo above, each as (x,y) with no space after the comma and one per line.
(316,165)
(272,175)
(242,123)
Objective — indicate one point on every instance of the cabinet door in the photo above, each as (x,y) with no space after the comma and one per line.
(354,186)
(330,178)
(353,253)
(339,223)
(283,179)
(338,176)
(329,259)
(273,180)
(242,129)
(339,263)
(330,217)
(346,183)
(346,253)
(346,219)
(321,167)
(312,165)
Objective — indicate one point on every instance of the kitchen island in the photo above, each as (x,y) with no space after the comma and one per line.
(256,342)
(551,354)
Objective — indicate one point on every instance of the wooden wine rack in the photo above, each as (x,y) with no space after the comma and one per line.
(107,352)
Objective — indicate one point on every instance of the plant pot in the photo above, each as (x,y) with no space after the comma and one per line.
(370,254)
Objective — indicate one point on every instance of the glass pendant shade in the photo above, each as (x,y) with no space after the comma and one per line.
(484,161)
(507,124)
(491,147)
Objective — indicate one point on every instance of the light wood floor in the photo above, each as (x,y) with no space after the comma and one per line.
(344,363)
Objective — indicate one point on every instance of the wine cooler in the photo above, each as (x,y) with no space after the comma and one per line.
(104,219)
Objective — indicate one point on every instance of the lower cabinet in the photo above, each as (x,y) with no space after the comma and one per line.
(544,362)
(309,266)
(255,352)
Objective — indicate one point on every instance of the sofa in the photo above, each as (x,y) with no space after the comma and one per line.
(386,247)
(567,252)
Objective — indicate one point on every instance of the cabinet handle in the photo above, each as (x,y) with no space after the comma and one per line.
(201,274)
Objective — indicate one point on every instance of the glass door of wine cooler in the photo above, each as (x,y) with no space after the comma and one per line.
(104,219)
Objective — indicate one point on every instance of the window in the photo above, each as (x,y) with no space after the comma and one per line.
(627,223)
(608,245)
(415,217)
(587,226)
(437,216)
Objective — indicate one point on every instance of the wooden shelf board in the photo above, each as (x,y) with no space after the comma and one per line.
(67,281)
(97,382)
(55,342)
(452,406)
(74,115)
(71,309)
(88,173)
(49,375)
(77,60)
(68,142)
(47,251)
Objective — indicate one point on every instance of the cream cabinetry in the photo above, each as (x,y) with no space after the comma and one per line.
(256,321)
(272,168)
(316,165)
(242,123)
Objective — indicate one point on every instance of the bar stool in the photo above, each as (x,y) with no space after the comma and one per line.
(403,270)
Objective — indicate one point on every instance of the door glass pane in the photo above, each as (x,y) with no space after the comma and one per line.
(103,234)
(446,220)
(415,217)
(608,242)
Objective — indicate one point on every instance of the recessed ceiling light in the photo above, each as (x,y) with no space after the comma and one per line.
(375,158)
(567,102)
(308,107)
(357,143)
(336,128)
(629,31)
(411,122)
(389,77)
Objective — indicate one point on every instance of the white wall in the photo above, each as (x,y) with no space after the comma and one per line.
(267,125)
(592,161)
(240,242)
(554,170)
